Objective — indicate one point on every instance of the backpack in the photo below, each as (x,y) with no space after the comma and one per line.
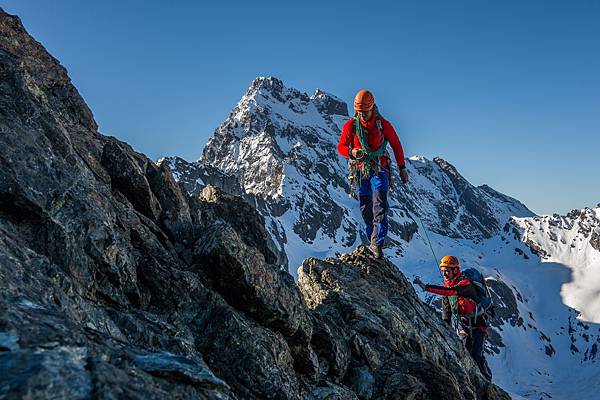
(485,305)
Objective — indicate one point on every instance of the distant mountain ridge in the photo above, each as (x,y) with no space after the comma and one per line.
(572,239)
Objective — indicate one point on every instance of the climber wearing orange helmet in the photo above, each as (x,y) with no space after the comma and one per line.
(460,300)
(364,140)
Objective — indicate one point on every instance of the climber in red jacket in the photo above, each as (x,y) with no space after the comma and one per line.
(364,140)
(460,300)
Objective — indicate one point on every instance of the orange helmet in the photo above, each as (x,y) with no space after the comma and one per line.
(449,261)
(364,101)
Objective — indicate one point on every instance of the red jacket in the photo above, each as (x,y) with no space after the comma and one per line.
(466,301)
(374,139)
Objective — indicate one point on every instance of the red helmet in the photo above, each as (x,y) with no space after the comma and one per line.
(364,101)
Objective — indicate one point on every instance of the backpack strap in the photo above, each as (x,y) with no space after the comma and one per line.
(475,286)
(379,125)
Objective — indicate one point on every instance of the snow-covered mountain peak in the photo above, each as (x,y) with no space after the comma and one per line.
(274,126)
(273,89)
(268,96)
(265,90)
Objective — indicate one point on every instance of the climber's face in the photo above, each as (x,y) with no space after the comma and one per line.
(365,115)
(450,273)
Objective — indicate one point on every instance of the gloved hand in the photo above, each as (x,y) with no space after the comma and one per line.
(404,175)
(418,281)
(358,153)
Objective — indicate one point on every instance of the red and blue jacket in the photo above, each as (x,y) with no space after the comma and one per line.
(349,139)
(466,302)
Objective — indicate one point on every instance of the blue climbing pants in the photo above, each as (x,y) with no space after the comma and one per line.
(372,195)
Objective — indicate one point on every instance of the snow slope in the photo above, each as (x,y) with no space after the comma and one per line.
(572,240)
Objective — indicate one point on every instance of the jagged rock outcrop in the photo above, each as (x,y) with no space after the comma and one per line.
(194,177)
(115,284)
(377,336)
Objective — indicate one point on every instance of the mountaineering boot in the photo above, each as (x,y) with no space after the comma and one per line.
(485,369)
(375,248)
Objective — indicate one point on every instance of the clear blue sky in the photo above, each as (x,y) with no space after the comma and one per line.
(507,91)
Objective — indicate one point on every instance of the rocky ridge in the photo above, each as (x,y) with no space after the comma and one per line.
(116,284)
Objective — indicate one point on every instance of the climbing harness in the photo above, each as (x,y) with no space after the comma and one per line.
(367,162)
(453,300)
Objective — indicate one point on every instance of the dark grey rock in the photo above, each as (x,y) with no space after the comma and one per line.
(255,361)
(213,187)
(179,368)
(243,277)
(332,392)
(241,216)
(362,382)
(58,373)
(8,341)
(129,177)
(595,240)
